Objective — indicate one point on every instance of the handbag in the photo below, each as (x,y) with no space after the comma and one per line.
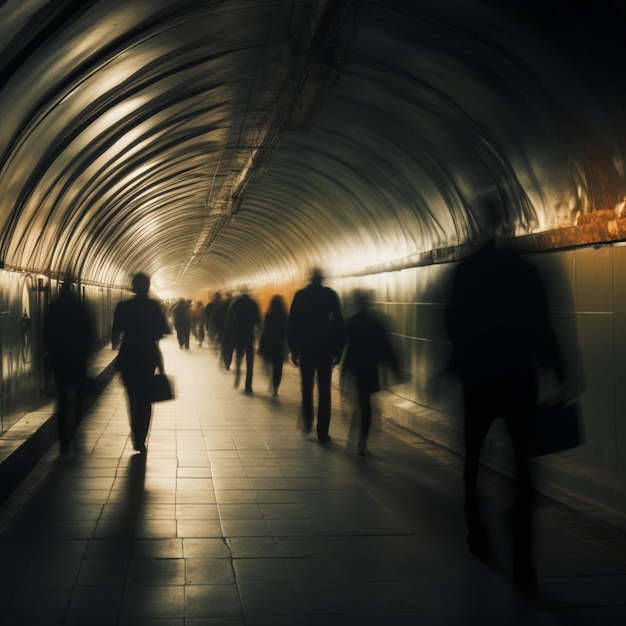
(160,388)
(555,427)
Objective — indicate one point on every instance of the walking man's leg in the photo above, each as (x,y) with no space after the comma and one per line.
(324,375)
(307,379)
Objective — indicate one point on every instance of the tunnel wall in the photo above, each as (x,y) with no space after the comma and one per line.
(587,301)
(19,337)
(25,379)
(588,307)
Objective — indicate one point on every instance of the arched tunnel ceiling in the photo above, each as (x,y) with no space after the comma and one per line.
(173,138)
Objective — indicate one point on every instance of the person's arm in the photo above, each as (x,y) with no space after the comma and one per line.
(293,331)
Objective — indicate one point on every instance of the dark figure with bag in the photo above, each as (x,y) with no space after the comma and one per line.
(316,336)
(140,324)
(68,336)
(500,331)
(242,321)
(273,341)
(368,349)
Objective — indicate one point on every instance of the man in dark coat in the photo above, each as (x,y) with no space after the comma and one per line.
(316,336)
(243,319)
(217,322)
(181,312)
(140,323)
(500,331)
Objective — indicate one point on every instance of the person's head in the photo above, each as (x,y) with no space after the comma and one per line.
(495,222)
(141,284)
(317,276)
(277,304)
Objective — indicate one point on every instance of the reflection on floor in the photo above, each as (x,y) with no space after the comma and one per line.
(234,518)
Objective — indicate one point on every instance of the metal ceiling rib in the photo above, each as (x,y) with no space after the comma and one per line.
(161,136)
(141,106)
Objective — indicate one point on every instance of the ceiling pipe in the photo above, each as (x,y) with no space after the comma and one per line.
(314,69)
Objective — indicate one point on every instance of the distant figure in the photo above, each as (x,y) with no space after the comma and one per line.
(273,341)
(315,334)
(140,324)
(209,321)
(367,349)
(68,336)
(222,333)
(197,322)
(499,327)
(181,314)
(242,321)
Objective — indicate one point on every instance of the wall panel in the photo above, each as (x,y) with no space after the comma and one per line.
(586,289)
(25,380)
(19,341)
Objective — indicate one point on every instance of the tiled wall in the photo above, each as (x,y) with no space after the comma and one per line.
(18,372)
(25,379)
(587,294)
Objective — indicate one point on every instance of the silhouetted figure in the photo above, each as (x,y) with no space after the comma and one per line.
(197,322)
(367,350)
(209,320)
(273,341)
(222,332)
(181,314)
(315,334)
(242,320)
(140,324)
(499,327)
(68,336)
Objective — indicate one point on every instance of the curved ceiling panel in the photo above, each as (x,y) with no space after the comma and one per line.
(214,143)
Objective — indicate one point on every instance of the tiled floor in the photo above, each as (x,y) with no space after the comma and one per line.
(234,518)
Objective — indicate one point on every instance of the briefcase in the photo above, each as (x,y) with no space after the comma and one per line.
(555,427)
(161,388)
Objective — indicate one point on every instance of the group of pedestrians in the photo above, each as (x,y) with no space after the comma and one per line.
(188,318)
(497,322)
(312,332)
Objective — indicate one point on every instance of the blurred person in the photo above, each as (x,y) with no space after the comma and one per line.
(315,335)
(367,350)
(197,322)
(139,323)
(68,337)
(211,332)
(273,341)
(498,324)
(221,332)
(242,321)
(181,314)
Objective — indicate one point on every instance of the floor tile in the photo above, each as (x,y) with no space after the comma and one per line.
(234,519)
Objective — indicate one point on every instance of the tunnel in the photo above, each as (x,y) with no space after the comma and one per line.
(221,145)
